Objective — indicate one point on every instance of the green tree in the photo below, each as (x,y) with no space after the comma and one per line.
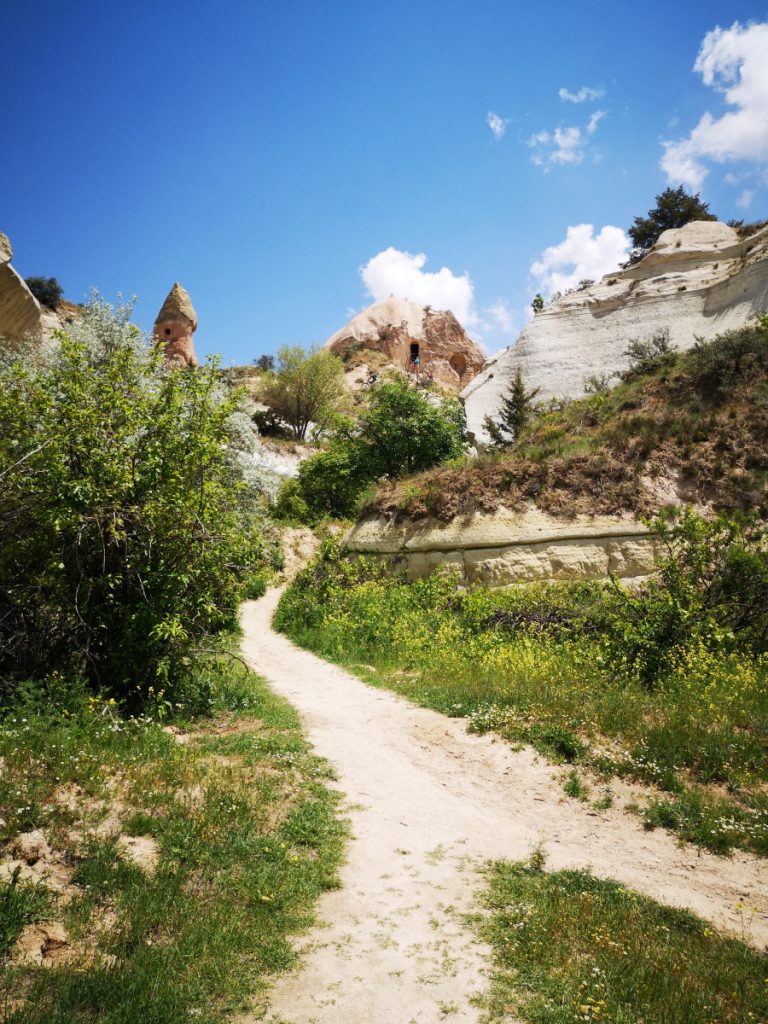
(674,209)
(515,412)
(398,433)
(125,543)
(46,290)
(307,387)
(402,432)
(538,303)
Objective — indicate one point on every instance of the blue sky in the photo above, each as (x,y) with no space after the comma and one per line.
(263,154)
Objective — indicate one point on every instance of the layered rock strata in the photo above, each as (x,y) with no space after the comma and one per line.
(401,329)
(510,547)
(175,326)
(21,315)
(697,281)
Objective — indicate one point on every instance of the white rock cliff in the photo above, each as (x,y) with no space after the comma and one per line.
(697,281)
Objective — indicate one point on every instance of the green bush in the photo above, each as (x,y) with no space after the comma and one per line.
(398,433)
(124,541)
(46,290)
(646,355)
(730,358)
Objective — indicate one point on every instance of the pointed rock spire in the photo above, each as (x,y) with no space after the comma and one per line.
(176,323)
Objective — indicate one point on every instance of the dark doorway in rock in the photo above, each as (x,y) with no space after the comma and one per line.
(414,350)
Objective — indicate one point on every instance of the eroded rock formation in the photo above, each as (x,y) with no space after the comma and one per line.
(510,546)
(20,313)
(401,329)
(696,282)
(176,323)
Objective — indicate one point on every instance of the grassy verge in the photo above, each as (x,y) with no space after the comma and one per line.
(525,663)
(573,949)
(242,834)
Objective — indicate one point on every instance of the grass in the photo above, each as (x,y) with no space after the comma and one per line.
(573,949)
(508,661)
(247,835)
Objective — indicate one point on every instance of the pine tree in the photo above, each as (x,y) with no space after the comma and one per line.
(674,209)
(514,413)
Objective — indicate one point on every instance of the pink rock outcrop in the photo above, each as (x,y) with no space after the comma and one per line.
(402,329)
(176,323)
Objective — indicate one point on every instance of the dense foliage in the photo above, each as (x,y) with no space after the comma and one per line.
(674,209)
(124,542)
(306,388)
(46,290)
(399,431)
(675,674)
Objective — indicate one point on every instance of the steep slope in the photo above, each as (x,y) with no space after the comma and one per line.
(399,329)
(565,502)
(696,282)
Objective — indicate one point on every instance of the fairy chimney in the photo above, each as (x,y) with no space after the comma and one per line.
(176,323)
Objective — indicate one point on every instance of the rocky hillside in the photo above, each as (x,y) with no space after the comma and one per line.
(693,428)
(696,282)
(399,329)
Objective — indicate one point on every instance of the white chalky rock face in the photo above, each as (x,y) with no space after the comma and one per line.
(510,546)
(697,281)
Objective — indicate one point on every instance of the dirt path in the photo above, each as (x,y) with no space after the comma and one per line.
(429,804)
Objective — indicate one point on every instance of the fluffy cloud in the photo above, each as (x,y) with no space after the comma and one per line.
(746,197)
(501,316)
(584,94)
(563,145)
(732,61)
(393,272)
(498,125)
(581,254)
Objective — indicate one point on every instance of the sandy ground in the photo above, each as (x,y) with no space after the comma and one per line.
(428,804)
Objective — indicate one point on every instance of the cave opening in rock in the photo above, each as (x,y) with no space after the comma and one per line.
(459,363)
(414,350)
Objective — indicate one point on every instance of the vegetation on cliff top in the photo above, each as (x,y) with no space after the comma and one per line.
(694,424)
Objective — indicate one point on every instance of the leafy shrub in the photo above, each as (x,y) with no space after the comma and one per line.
(398,433)
(646,355)
(729,359)
(46,290)
(124,541)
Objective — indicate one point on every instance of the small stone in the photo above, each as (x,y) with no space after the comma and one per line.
(42,943)
(31,847)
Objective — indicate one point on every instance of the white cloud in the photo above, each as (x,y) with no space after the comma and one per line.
(565,145)
(746,197)
(583,94)
(594,121)
(502,316)
(393,272)
(733,62)
(498,125)
(581,254)
(562,146)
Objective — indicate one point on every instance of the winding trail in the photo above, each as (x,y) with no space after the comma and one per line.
(428,804)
